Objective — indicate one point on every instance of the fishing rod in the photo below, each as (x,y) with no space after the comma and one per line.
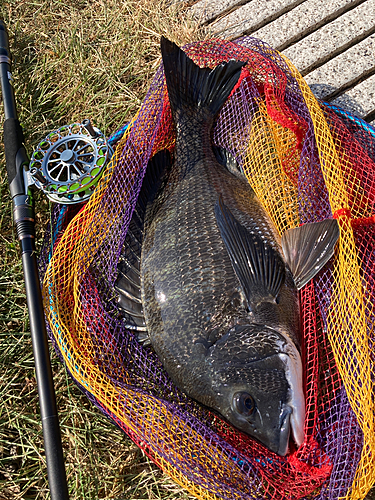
(17,163)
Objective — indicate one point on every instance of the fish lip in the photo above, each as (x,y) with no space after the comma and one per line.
(296,403)
(284,432)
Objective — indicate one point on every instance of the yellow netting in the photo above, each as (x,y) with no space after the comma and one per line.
(348,294)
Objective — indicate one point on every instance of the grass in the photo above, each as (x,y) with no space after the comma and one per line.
(72,59)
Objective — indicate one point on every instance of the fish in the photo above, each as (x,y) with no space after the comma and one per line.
(205,278)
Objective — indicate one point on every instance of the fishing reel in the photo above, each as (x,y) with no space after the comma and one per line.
(69,162)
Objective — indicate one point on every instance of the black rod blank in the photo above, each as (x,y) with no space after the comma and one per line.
(23,212)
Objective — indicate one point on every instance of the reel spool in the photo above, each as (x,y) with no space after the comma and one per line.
(68,163)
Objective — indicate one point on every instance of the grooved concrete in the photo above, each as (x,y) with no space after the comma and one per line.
(304,16)
(207,10)
(343,70)
(251,16)
(333,37)
(331,42)
(359,100)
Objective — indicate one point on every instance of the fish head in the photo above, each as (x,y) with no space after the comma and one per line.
(256,375)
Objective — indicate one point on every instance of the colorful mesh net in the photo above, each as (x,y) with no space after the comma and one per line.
(306,161)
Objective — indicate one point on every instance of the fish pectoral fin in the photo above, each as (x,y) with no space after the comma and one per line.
(308,248)
(259,268)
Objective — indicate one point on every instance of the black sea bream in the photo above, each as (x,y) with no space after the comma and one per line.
(210,283)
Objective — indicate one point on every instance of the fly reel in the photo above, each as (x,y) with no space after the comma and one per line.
(68,163)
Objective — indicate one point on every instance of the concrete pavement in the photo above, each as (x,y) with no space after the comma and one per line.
(331,42)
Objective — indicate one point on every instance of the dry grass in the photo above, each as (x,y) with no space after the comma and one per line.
(71,60)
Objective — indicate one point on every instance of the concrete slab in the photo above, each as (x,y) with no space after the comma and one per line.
(333,38)
(331,42)
(360,100)
(251,17)
(208,10)
(344,70)
(291,19)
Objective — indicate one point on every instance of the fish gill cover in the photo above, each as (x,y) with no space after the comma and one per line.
(306,161)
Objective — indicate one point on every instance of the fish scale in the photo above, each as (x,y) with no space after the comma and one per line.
(219,298)
(188,261)
(199,249)
(191,294)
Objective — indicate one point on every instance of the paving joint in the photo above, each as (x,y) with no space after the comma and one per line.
(349,85)
(323,22)
(218,16)
(261,24)
(336,52)
(318,25)
(370,118)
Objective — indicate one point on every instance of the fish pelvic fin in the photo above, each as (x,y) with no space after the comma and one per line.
(259,268)
(308,248)
(190,86)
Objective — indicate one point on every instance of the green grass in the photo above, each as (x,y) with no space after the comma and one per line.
(72,60)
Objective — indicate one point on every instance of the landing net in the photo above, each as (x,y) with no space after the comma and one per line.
(307,161)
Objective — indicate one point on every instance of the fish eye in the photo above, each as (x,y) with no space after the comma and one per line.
(244,403)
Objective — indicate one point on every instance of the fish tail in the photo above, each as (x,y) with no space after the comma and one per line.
(191,87)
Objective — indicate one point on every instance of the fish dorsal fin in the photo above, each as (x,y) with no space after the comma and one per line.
(128,283)
(259,268)
(157,169)
(308,248)
(190,86)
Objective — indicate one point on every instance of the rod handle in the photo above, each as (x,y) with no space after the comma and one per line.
(15,156)
(15,153)
(4,41)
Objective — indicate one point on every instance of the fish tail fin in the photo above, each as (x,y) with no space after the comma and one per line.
(190,86)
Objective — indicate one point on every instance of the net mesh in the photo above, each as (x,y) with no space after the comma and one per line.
(306,161)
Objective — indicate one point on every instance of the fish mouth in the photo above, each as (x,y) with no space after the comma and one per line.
(286,419)
(296,403)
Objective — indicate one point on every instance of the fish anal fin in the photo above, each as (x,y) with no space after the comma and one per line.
(225,158)
(258,266)
(308,248)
